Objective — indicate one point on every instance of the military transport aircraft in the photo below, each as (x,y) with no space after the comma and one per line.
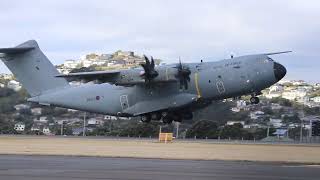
(168,93)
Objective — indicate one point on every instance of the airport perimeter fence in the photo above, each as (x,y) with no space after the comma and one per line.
(273,140)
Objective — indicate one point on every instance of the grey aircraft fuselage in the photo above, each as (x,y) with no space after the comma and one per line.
(147,93)
(209,81)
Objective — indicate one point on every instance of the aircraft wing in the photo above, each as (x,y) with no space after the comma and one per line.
(170,102)
(91,76)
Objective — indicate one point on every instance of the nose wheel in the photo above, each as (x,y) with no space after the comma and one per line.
(254,100)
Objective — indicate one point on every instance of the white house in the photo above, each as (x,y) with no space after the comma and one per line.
(36,111)
(42,119)
(19,107)
(20,126)
(35,128)
(298,82)
(14,85)
(94,121)
(241,104)
(275,106)
(276,88)
(107,117)
(316,99)
(276,122)
(86,63)
(230,123)
(256,114)
(235,109)
(6,76)
(273,94)
(70,63)
(294,94)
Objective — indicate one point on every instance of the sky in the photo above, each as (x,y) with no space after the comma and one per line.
(168,29)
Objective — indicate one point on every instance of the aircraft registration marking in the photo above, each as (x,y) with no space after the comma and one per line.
(196,78)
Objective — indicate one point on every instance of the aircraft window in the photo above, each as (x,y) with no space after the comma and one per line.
(209,81)
(219,76)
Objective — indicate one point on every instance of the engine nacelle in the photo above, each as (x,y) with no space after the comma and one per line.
(134,76)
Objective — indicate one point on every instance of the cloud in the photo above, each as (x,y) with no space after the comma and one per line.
(168,29)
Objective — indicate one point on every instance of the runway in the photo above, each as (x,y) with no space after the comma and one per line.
(16,167)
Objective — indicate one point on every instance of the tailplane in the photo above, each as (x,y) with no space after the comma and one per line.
(32,68)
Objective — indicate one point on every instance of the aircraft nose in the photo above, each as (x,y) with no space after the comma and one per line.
(279,71)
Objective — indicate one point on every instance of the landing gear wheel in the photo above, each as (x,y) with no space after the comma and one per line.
(146,118)
(254,100)
(155,116)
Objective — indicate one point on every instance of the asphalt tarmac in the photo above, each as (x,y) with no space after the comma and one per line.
(15,167)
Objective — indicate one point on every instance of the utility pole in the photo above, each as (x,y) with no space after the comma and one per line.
(84,124)
(301,131)
(61,128)
(310,130)
(177,131)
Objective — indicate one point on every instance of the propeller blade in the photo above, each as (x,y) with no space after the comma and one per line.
(183,75)
(152,62)
(150,72)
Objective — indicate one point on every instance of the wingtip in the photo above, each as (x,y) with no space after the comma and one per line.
(274,53)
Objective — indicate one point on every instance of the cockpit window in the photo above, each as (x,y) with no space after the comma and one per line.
(268,60)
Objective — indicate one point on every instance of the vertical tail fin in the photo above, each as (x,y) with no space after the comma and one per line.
(32,68)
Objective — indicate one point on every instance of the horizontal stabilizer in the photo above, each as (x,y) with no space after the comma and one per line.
(15,50)
(274,53)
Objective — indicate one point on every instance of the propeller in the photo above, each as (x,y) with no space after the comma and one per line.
(149,71)
(183,75)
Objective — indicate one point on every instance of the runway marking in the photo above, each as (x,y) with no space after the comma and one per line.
(302,165)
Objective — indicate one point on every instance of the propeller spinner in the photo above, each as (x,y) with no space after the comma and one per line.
(149,71)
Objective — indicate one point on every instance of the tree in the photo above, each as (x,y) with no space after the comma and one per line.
(137,129)
(203,129)
(232,131)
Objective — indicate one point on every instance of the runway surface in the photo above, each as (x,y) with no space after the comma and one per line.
(14,167)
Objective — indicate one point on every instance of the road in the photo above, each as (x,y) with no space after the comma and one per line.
(15,167)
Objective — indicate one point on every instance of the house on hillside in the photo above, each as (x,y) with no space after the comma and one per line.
(256,115)
(36,111)
(277,123)
(230,123)
(20,107)
(14,85)
(316,99)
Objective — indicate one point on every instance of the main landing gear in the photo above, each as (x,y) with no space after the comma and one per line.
(166,117)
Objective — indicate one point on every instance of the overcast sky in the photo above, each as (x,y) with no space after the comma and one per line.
(194,30)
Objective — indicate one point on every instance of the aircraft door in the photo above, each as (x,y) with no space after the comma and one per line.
(124,102)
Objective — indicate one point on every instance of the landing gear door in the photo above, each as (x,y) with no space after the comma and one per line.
(124,102)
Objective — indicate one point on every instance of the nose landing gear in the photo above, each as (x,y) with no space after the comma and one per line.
(254,100)
(146,118)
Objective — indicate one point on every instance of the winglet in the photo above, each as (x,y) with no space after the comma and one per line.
(274,53)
